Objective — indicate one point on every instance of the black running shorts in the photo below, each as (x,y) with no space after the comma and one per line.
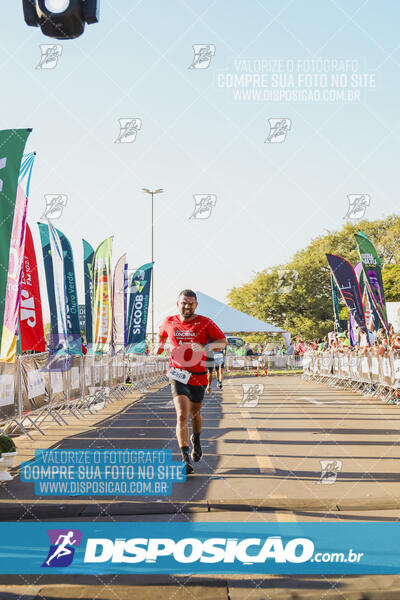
(195,393)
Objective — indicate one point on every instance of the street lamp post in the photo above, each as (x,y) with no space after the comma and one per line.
(152,255)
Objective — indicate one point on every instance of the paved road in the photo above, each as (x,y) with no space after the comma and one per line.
(261,463)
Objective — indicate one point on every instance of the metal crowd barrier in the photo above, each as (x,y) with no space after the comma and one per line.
(43,386)
(263,362)
(371,374)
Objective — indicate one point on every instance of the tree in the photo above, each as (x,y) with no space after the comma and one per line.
(391,282)
(47,332)
(297,295)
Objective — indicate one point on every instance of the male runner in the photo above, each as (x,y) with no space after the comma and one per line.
(215,360)
(188,333)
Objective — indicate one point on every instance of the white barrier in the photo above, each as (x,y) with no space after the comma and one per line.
(263,362)
(41,386)
(372,374)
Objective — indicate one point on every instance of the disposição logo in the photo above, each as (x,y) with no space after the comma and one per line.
(61,551)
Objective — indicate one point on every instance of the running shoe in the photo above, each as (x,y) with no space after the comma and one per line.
(219,385)
(208,389)
(189,466)
(197,452)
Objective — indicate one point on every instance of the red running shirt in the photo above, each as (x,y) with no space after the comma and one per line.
(181,334)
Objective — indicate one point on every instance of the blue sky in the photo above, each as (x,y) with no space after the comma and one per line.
(197,138)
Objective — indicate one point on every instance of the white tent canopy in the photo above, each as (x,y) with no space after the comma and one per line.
(229,319)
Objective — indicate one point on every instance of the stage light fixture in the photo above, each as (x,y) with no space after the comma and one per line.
(61,19)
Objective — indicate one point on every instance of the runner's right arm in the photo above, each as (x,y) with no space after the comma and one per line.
(162,338)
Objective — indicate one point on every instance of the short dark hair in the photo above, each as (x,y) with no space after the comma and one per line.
(188,293)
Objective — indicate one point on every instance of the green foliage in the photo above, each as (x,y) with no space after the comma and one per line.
(306,310)
(47,332)
(391,282)
(6,444)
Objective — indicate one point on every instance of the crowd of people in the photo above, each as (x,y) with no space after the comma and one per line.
(378,342)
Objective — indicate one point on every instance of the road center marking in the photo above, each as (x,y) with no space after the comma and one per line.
(263,461)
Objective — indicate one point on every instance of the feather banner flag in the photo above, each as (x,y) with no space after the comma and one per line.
(8,351)
(48,270)
(372,268)
(347,282)
(57,256)
(102,297)
(371,316)
(126,277)
(88,253)
(335,301)
(139,294)
(30,310)
(118,306)
(71,297)
(12,144)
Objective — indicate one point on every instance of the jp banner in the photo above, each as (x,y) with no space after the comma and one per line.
(347,282)
(30,310)
(102,295)
(88,254)
(12,144)
(372,268)
(118,320)
(139,294)
(15,264)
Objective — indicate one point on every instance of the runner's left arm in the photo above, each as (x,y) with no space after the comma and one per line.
(216,336)
(217,345)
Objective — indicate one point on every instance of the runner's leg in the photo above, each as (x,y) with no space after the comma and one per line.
(219,376)
(195,415)
(197,420)
(182,408)
(209,378)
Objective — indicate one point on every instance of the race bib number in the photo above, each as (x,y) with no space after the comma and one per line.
(218,358)
(179,375)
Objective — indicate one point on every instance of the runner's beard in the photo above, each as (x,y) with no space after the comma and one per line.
(187,312)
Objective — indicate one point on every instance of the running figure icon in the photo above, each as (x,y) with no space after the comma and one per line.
(62,549)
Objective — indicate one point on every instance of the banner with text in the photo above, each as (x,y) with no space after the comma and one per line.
(30,310)
(139,294)
(71,297)
(102,297)
(88,253)
(12,144)
(347,282)
(372,268)
(95,548)
(118,305)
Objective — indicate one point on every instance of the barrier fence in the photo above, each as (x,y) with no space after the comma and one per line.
(371,374)
(41,386)
(247,363)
